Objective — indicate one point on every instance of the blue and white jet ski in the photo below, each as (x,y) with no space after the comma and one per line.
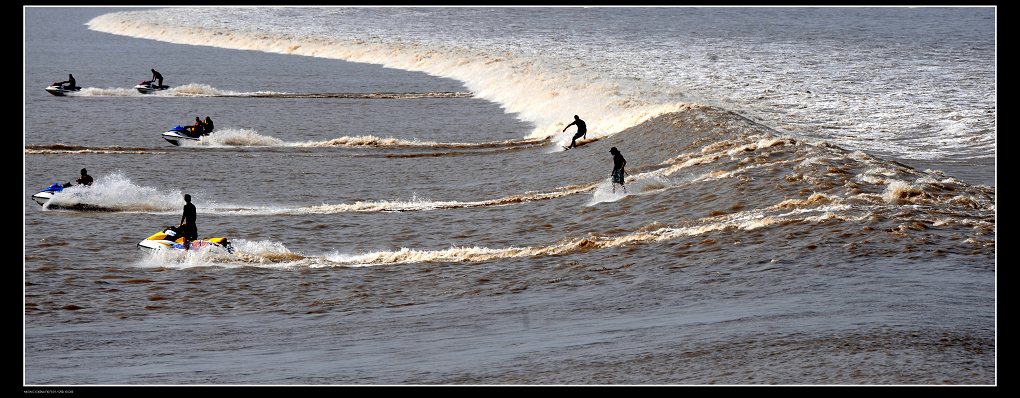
(45,195)
(148,87)
(62,89)
(170,239)
(178,134)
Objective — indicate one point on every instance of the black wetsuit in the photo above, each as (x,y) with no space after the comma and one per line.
(157,76)
(582,129)
(70,83)
(84,180)
(189,230)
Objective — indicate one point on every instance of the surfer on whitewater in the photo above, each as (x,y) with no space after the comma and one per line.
(582,131)
(618,168)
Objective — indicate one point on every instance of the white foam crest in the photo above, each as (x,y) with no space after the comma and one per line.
(415,204)
(897,191)
(543,92)
(116,192)
(260,246)
(640,184)
(265,253)
(365,141)
(108,92)
(183,259)
(187,90)
(605,192)
(748,220)
(418,204)
(195,90)
(405,256)
(236,137)
(883,171)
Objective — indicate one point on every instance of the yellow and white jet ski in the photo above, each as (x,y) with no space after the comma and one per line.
(170,239)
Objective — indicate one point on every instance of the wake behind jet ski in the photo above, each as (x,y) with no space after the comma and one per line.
(170,238)
(148,87)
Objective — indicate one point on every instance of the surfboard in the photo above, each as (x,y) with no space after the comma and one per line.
(583,143)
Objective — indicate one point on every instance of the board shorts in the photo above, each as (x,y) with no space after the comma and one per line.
(618,177)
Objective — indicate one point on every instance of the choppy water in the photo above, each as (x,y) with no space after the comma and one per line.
(397,227)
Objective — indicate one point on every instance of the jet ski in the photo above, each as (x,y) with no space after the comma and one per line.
(45,195)
(61,90)
(148,87)
(170,239)
(178,134)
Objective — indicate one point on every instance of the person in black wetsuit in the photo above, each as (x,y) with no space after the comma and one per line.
(188,229)
(85,178)
(618,168)
(582,130)
(70,82)
(157,76)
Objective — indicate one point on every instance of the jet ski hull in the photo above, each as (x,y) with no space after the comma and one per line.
(45,195)
(149,88)
(42,197)
(61,91)
(178,135)
(164,240)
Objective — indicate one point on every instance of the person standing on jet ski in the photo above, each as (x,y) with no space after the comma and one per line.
(187,227)
(157,76)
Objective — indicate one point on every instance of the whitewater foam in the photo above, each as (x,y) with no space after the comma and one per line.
(116,192)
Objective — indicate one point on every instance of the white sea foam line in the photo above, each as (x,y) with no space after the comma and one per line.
(255,253)
(415,204)
(246,137)
(747,221)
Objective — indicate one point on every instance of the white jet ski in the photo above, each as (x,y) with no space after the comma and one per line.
(178,134)
(148,87)
(61,89)
(45,195)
